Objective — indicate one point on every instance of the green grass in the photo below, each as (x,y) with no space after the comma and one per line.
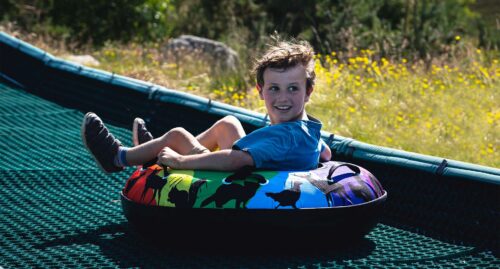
(451,112)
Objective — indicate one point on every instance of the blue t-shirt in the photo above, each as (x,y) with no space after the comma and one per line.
(294,145)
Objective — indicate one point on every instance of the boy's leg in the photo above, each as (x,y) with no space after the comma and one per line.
(111,156)
(178,139)
(222,134)
(141,135)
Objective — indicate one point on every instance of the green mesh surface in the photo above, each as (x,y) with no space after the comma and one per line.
(58,210)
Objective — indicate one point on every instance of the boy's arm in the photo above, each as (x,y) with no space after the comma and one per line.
(223,160)
(326,154)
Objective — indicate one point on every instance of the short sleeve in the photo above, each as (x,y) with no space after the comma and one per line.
(323,145)
(266,147)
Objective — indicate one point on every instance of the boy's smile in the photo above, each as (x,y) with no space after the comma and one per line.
(284,93)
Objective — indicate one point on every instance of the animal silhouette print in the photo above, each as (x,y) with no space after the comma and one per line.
(131,182)
(185,199)
(155,182)
(287,197)
(233,191)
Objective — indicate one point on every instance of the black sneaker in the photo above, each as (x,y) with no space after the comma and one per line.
(140,134)
(100,143)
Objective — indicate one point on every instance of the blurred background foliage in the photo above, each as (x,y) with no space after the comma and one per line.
(394,28)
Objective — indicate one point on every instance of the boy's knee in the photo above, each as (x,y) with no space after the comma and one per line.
(175,132)
(230,121)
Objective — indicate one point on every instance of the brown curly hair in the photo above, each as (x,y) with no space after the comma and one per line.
(286,54)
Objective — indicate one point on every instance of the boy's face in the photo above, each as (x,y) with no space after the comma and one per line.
(285,94)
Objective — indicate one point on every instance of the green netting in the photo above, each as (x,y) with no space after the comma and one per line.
(58,210)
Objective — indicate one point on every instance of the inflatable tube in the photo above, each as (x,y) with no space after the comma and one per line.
(334,196)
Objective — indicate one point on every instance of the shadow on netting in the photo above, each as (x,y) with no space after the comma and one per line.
(121,244)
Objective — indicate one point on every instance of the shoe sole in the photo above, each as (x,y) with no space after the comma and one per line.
(135,138)
(82,134)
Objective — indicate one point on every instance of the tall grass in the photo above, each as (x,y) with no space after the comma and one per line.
(449,110)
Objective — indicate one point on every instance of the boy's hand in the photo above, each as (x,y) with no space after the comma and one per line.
(222,160)
(169,157)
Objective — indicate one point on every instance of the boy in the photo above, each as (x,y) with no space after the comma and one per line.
(285,79)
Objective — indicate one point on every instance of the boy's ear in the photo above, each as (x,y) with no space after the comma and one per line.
(309,92)
(259,89)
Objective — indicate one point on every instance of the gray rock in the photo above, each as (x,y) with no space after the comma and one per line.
(83,60)
(202,49)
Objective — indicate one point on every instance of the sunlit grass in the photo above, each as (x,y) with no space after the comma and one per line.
(447,111)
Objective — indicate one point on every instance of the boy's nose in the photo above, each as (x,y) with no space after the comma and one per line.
(282,96)
(281,100)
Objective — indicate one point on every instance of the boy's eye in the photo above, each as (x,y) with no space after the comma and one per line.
(274,89)
(293,88)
